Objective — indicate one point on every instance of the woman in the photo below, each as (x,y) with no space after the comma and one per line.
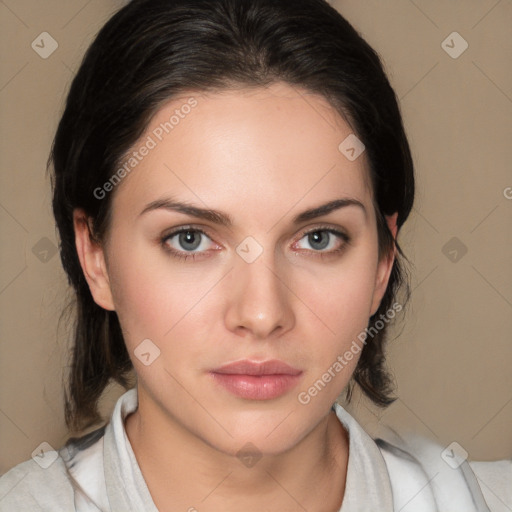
(230,178)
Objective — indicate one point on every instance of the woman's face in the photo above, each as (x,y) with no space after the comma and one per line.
(259,280)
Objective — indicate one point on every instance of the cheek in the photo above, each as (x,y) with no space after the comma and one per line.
(342,295)
(141,295)
(340,305)
(159,300)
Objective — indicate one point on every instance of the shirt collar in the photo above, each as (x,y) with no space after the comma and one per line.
(368,486)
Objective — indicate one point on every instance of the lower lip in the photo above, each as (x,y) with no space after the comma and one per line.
(252,387)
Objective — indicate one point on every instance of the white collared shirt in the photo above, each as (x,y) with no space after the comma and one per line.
(99,472)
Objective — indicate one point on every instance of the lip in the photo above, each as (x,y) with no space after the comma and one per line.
(252,380)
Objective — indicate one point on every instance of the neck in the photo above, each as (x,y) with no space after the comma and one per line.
(183,472)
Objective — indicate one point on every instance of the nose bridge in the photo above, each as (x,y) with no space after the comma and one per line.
(259,297)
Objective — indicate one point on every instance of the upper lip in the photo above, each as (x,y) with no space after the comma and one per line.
(246,367)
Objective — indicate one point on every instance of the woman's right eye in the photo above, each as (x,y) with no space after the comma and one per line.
(181,242)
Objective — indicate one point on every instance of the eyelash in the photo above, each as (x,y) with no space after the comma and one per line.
(182,255)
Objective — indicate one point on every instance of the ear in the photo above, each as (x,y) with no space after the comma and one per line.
(384,267)
(92,260)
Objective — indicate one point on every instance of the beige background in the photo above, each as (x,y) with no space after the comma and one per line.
(453,356)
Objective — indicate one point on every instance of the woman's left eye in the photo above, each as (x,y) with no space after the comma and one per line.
(326,241)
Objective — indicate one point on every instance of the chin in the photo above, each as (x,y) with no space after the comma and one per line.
(264,432)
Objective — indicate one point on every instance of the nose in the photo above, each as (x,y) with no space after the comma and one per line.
(260,301)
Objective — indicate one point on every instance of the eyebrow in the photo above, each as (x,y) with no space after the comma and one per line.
(224,219)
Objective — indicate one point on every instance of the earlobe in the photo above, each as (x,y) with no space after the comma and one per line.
(92,260)
(384,268)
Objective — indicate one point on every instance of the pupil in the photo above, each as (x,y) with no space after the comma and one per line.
(187,238)
(318,235)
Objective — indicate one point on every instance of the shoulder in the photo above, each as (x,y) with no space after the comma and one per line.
(495,480)
(421,469)
(34,486)
(57,480)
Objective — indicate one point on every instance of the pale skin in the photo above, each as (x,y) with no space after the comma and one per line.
(262,156)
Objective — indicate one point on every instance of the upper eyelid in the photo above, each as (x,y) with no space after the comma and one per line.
(191,227)
(178,230)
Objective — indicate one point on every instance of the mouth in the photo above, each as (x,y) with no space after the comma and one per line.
(253,380)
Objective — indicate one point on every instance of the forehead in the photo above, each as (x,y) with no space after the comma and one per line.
(253,149)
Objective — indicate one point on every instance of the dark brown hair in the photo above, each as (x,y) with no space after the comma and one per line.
(152,50)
